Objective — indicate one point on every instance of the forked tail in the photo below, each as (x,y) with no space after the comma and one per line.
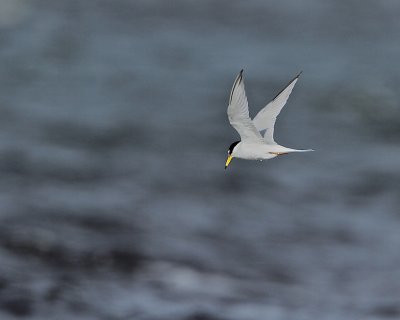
(281,149)
(301,150)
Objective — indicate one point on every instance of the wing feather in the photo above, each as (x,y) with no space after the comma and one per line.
(238,112)
(266,118)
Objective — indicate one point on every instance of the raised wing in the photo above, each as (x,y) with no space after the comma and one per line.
(238,112)
(265,119)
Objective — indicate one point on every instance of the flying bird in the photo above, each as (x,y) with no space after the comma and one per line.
(252,145)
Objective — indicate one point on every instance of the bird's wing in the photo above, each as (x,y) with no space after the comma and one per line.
(265,119)
(238,113)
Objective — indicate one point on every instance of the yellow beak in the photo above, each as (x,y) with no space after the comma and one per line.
(228,161)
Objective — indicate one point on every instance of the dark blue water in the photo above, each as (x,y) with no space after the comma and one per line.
(113,137)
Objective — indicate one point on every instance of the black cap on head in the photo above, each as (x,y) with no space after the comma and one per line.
(233,145)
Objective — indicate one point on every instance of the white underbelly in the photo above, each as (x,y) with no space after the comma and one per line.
(254,152)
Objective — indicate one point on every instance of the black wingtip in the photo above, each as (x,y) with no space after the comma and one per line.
(238,80)
(295,78)
(240,75)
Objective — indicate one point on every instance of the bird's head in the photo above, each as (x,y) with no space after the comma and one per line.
(230,153)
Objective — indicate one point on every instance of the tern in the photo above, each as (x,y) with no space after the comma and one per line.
(252,145)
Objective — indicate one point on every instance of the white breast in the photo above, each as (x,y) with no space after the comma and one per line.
(252,151)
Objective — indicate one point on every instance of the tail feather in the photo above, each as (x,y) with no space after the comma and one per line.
(301,150)
(282,149)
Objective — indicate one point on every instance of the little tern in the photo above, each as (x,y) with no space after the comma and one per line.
(252,145)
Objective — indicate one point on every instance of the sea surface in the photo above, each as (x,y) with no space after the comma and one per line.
(114,201)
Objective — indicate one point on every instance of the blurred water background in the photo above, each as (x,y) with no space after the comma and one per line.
(113,138)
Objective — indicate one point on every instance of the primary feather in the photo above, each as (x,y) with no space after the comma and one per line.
(266,117)
(238,112)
